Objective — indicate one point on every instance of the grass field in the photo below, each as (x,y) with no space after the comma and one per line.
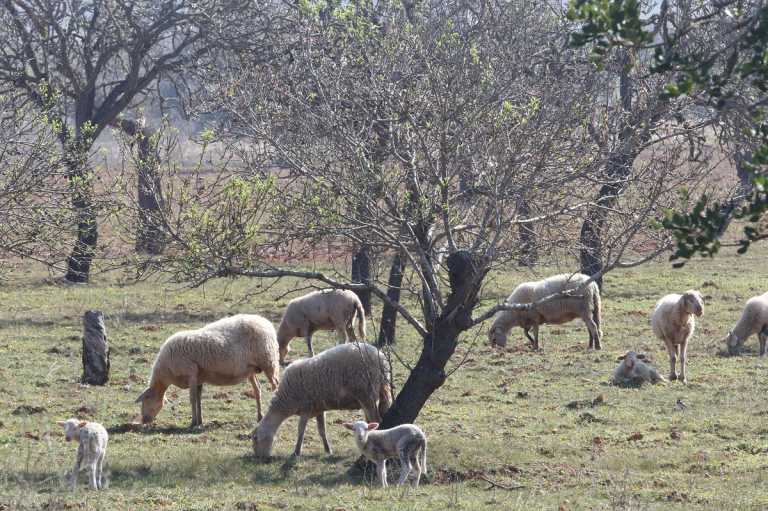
(523,420)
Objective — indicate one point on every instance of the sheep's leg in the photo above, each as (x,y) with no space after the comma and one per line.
(351,333)
(100,474)
(762,337)
(256,394)
(381,470)
(321,429)
(594,340)
(92,481)
(405,467)
(341,334)
(536,337)
(526,331)
(672,350)
(683,360)
(76,469)
(309,344)
(273,380)
(193,388)
(300,440)
(417,464)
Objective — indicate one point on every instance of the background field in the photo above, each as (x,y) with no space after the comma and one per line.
(508,417)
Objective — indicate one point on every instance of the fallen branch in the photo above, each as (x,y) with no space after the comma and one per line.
(494,484)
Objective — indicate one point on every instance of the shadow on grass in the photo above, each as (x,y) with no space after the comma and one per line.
(167,430)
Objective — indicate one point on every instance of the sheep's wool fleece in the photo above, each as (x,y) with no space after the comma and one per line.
(338,378)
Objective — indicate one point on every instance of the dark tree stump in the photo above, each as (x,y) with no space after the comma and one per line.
(95,349)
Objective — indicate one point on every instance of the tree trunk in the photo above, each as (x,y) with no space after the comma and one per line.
(95,349)
(466,276)
(528,249)
(81,257)
(149,234)
(361,273)
(389,313)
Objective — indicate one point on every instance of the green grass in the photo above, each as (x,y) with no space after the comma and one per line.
(501,416)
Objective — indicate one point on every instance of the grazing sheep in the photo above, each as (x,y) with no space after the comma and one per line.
(406,442)
(634,371)
(329,309)
(92,441)
(673,323)
(754,320)
(225,352)
(346,377)
(585,305)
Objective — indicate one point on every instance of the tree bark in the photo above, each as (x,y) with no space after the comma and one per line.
(389,313)
(465,275)
(527,236)
(149,234)
(95,349)
(361,273)
(81,257)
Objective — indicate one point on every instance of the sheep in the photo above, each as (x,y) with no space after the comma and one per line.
(225,352)
(92,441)
(408,442)
(329,309)
(585,304)
(634,370)
(346,377)
(754,320)
(672,322)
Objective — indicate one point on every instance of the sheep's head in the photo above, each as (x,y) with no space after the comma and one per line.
(262,442)
(361,429)
(284,350)
(151,404)
(732,343)
(693,302)
(497,337)
(71,428)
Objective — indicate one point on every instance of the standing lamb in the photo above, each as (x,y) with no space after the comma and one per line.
(92,441)
(407,442)
(672,322)
(346,377)
(634,371)
(584,303)
(329,309)
(754,320)
(225,352)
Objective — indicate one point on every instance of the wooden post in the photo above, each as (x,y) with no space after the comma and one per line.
(95,349)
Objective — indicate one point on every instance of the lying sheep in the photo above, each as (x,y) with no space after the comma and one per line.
(584,304)
(345,377)
(754,320)
(225,352)
(330,309)
(634,371)
(672,322)
(406,442)
(92,441)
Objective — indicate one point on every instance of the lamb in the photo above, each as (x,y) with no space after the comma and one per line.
(346,377)
(754,320)
(225,352)
(329,309)
(407,442)
(92,449)
(584,304)
(672,322)
(634,371)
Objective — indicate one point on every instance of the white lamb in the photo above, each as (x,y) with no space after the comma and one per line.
(329,309)
(634,371)
(584,304)
(673,322)
(754,320)
(346,377)
(225,352)
(407,442)
(92,441)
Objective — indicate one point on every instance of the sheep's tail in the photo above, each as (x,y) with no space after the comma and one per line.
(597,311)
(385,398)
(360,320)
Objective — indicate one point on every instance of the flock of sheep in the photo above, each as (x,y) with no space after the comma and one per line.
(355,376)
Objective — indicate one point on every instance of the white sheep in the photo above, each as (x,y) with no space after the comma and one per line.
(346,377)
(584,304)
(407,442)
(92,441)
(225,352)
(673,322)
(634,370)
(754,320)
(329,309)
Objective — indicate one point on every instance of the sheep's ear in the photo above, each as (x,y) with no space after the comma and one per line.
(621,357)
(82,424)
(147,393)
(373,425)
(349,425)
(641,356)
(61,423)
